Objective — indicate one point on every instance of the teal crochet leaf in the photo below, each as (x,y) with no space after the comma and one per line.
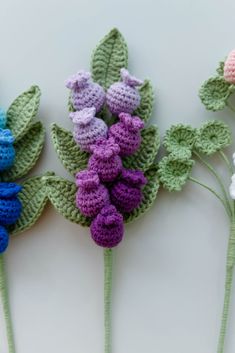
(145,156)
(28,150)
(22,111)
(108,58)
(149,195)
(62,193)
(34,198)
(68,151)
(214,93)
(145,109)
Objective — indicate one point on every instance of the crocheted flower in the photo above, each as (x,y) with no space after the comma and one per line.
(87,128)
(229,68)
(124,96)
(179,140)
(126,193)
(10,205)
(173,172)
(4,239)
(126,133)
(91,196)
(212,136)
(84,92)
(3,118)
(105,159)
(107,228)
(7,151)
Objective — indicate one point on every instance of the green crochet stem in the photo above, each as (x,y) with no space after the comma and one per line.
(5,305)
(108,265)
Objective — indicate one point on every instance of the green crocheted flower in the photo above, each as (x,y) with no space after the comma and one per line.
(174,172)
(213,136)
(179,140)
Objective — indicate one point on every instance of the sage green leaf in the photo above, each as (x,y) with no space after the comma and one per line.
(108,58)
(68,151)
(62,193)
(220,68)
(145,109)
(149,195)
(144,157)
(22,111)
(214,93)
(34,198)
(28,150)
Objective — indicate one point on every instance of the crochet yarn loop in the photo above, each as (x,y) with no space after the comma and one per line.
(78,80)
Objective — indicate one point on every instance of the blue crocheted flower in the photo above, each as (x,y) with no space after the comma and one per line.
(3,118)
(4,239)
(10,205)
(7,151)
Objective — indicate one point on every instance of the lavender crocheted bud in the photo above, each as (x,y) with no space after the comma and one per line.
(10,205)
(7,151)
(126,133)
(126,194)
(107,228)
(4,239)
(91,196)
(87,128)
(84,92)
(105,159)
(124,96)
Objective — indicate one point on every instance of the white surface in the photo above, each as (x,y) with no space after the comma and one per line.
(169,271)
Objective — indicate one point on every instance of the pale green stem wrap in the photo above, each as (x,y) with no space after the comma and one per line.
(6,307)
(108,269)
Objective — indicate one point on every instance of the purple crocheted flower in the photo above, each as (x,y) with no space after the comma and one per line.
(126,194)
(87,128)
(124,96)
(126,133)
(91,196)
(107,228)
(84,92)
(105,159)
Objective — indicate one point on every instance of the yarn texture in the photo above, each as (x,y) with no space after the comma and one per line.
(7,151)
(229,67)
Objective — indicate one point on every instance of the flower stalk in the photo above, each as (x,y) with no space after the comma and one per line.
(108,265)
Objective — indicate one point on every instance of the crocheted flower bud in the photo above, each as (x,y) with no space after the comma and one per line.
(7,151)
(105,159)
(84,92)
(91,196)
(4,239)
(126,133)
(229,68)
(87,128)
(107,228)
(126,194)
(10,205)
(3,119)
(124,96)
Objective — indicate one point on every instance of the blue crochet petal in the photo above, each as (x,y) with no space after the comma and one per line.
(8,190)
(3,118)
(6,136)
(4,239)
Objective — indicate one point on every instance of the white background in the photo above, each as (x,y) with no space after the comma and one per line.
(169,270)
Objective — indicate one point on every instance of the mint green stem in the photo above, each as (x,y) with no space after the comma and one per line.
(6,307)
(227,162)
(108,265)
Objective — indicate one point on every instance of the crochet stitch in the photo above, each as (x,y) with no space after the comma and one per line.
(10,205)
(3,119)
(7,151)
(4,239)
(123,97)
(87,128)
(229,67)
(126,133)
(84,92)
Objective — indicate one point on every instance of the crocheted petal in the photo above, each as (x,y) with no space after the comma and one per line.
(68,151)
(28,150)
(145,109)
(173,173)
(61,193)
(149,195)
(144,157)
(108,58)
(22,111)
(220,69)
(215,92)
(33,198)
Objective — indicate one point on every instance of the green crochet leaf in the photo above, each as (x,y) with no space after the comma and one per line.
(145,109)
(61,193)
(144,157)
(214,93)
(108,58)
(34,198)
(22,111)
(68,151)
(28,150)
(149,195)
(220,68)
